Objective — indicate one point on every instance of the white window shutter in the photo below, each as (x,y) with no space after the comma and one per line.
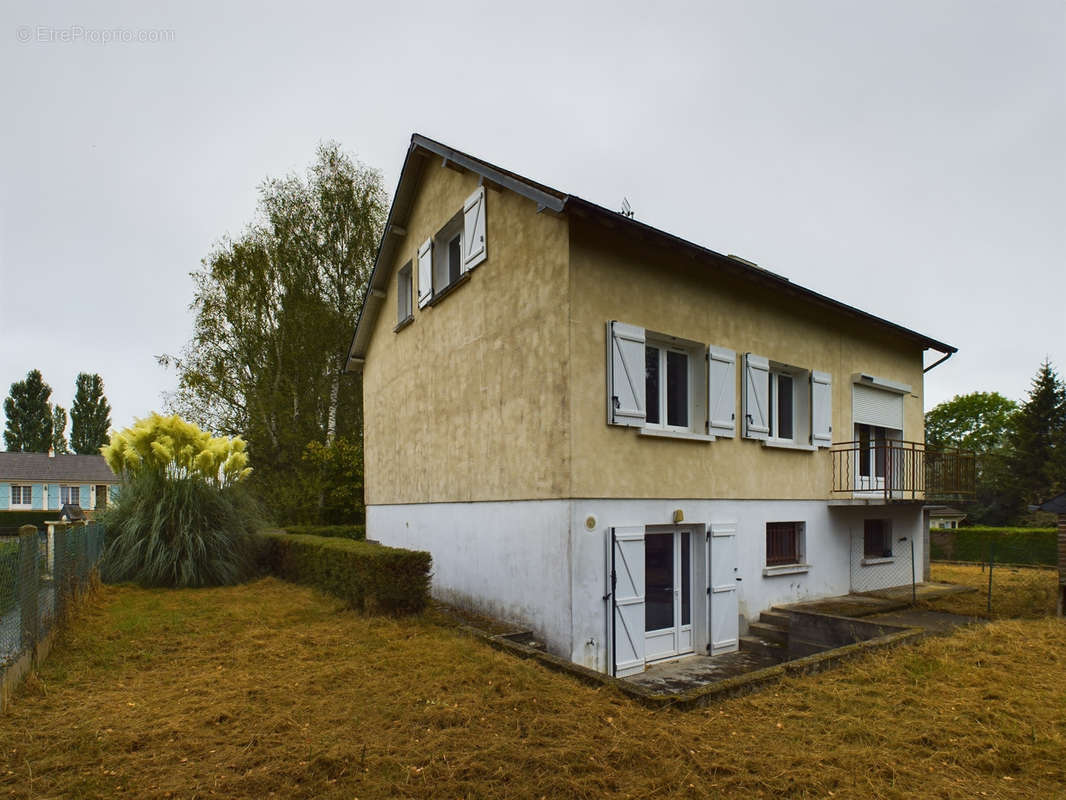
(821,409)
(627,596)
(721,391)
(625,375)
(756,397)
(474,247)
(425,273)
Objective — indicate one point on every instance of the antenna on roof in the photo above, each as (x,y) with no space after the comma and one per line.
(627,210)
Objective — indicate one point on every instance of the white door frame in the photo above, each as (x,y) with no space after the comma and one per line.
(676,640)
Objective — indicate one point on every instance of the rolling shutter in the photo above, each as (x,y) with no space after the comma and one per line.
(877,407)
(425,273)
(627,593)
(474,248)
(721,391)
(821,409)
(756,397)
(625,375)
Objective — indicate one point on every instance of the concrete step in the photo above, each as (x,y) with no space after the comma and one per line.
(778,618)
(771,633)
(753,644)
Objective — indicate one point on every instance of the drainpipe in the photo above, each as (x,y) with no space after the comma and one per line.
(939,362)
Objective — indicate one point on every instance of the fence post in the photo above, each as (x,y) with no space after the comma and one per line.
(991,561)
(29,585)
(60,571)
(914,577)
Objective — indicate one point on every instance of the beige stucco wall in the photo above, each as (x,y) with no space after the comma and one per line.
(469,402)
(615,277)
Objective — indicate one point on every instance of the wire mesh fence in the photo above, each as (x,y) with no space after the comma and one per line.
(1013,571)
(42,572)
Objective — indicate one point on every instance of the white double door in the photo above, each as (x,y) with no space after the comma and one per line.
(667,593)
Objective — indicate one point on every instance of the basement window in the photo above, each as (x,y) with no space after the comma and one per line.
(877,538)
(784,544)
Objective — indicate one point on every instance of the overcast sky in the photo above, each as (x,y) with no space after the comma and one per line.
(908,158)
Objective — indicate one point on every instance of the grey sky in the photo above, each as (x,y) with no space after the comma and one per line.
(907,158)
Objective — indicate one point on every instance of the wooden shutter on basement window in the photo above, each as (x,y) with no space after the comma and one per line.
(721,391)
(626,403)
(474,246)
(821,409)
(756,397)
(425,273)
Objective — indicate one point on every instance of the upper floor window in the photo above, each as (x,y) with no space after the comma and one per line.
(787,406)
(782,405)
(404,292)
(21,495)
(665,385)
(445,258)
(668,386)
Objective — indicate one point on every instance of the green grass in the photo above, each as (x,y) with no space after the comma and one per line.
(267,689)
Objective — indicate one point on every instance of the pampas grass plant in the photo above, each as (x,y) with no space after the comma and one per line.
(180,519)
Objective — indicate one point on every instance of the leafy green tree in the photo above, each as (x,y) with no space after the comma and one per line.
(979,421)
(28,415)
(1038,439)
(275,309)
(90,416)
(59,430)
(336,480)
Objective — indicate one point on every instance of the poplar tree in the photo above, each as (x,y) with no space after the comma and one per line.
(90,416)
(59,430)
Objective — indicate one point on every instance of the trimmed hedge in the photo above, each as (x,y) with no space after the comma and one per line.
(367,577)
(16,519)
(356,532)
(1010,545)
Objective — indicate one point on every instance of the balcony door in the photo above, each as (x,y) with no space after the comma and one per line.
(667,593)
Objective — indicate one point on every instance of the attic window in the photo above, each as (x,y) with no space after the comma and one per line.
(404,310)
(446,258)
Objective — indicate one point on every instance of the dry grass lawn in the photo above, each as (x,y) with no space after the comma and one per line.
(1016,591)
(266,690)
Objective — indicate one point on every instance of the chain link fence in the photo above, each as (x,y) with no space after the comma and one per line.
(42,573)
(1012,570)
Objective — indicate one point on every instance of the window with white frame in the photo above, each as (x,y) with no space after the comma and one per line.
(404,291)
(782,405)
(445,258)
(668,386)
(70,494)
(21,495)
(786,406)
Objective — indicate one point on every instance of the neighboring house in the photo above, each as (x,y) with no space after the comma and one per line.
(617,437)
(40,481)
(945,517)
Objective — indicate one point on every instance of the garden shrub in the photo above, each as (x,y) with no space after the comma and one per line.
(356,532)
(9,574)
(10,521)
(1010,545)
(367,577)
(180,518)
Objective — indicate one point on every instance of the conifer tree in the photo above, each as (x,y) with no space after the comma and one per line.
(90,415)
(1038,439)
(28,415)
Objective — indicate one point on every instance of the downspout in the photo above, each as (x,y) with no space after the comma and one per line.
(939,361)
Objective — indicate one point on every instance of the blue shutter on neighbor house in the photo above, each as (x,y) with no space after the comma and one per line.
(626,402)
(474,246)
(756,396)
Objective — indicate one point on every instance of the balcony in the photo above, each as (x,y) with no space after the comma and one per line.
(890,470)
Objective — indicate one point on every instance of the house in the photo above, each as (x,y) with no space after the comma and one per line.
(623,440)
(946,517)
(45,481)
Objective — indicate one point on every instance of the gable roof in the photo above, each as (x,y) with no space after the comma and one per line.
(42,468)
(418,156)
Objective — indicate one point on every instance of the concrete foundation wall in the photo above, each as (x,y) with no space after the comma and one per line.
(543,564)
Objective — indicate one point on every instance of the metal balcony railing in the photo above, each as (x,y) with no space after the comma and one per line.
(892,469)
